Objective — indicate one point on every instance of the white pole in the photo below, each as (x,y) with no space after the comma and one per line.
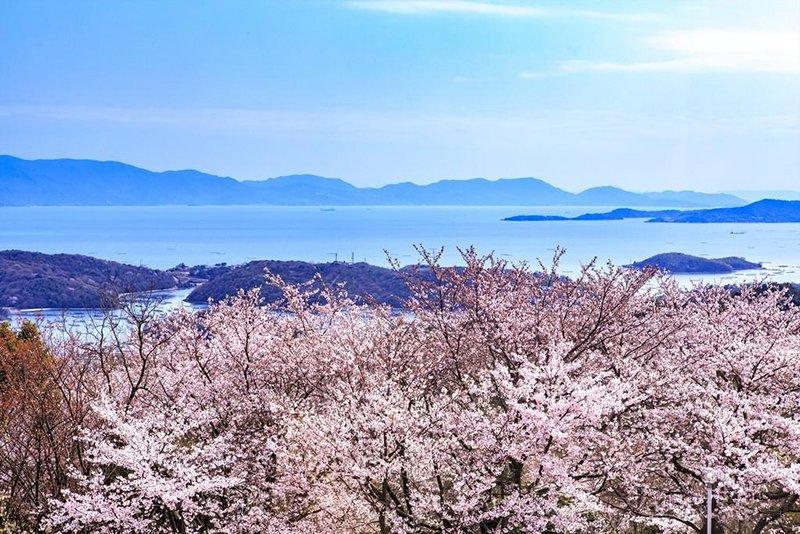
(709,501)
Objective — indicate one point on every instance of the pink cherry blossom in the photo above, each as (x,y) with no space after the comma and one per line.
(501,400)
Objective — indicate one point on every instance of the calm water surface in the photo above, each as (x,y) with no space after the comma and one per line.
(164,236)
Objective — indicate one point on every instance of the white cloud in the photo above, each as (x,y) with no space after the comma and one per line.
(476,7)
(710,50)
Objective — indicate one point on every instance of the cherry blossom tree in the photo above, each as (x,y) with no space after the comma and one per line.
(500,400)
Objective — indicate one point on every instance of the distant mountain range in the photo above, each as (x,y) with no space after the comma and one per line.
(763,211)
(109,183)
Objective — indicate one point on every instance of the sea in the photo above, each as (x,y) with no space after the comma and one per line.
(164,236)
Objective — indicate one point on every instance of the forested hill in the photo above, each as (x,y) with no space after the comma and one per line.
(110,183)
(36,280)
(363,282)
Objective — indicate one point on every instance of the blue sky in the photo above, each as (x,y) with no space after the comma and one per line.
(644,95)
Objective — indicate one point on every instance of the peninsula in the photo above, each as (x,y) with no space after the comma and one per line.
(36,280)
(763,211)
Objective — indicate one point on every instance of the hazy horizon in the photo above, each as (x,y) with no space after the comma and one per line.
(639,95)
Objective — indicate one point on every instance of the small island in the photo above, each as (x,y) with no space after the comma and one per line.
(678,263)
(763,211)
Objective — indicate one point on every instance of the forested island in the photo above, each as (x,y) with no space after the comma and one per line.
(32,280)
(763,211)
(678,263)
